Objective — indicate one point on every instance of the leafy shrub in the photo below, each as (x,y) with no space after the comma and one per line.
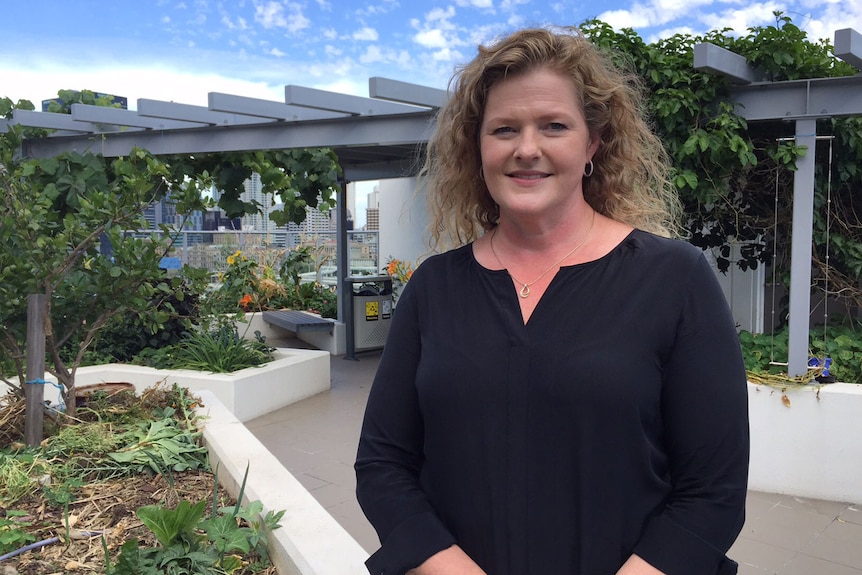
(841,343)
(176,302)
(217,350)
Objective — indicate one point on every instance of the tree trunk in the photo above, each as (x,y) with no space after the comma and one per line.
(34,388)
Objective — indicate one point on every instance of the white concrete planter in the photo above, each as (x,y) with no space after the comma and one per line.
(310,541)
(813,448)
(248,393)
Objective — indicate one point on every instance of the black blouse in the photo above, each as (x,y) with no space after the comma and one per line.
(614,422)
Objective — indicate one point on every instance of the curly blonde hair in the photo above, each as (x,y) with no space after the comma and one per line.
(629,182)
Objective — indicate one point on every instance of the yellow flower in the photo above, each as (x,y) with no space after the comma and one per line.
(232,258)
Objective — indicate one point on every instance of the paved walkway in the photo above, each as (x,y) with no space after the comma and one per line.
(316,440)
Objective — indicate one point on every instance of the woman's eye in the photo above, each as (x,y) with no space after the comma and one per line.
(556,126)
(503,130)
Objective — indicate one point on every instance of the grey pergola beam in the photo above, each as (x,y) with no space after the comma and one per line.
(125,118)
(799,99)
(340,133)
(189,113)
(343,103)
(848,46)
(397,91)
(273,110)
(717,60)
(51,121)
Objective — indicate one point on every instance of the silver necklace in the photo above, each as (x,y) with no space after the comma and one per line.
(524,292)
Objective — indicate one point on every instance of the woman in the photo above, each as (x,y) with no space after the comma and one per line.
(563,393)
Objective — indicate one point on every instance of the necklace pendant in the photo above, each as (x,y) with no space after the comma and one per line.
(525,291)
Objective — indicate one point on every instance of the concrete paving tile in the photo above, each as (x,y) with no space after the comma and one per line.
(310,482)
(350,516)
(763,556)
(752,570)
(852,514)
(819,506)
(785,527)
(331,495)
(840,543)
(807,565)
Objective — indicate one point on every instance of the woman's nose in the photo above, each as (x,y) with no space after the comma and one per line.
(528,145)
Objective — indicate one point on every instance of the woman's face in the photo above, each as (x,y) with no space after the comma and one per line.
(534,144)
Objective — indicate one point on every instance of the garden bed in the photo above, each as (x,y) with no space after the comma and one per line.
(102,492)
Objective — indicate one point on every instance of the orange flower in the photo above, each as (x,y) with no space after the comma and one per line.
(245,300)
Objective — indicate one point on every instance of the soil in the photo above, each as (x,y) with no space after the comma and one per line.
(102,513)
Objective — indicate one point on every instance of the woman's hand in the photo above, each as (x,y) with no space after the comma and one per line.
(451,561)
(637,566)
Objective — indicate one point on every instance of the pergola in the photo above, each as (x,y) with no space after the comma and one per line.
(378,137)
(382,136)
(803,102)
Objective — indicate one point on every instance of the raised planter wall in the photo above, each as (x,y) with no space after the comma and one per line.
(248,393)
(310,541)
(813,448)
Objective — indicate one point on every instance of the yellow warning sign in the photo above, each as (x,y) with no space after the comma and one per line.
(372,311)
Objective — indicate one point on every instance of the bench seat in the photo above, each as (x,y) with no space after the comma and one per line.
(297,321)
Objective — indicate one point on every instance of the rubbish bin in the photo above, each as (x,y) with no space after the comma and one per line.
(372,311)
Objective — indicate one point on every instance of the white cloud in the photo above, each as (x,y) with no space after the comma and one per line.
(240,24)
(482,4)
(431,39)
(277,53)
(331,50)
(372,54)
(367,34)
(377,8)
(329,33)
(447,55)
(156,83)
(511,5)
(836,15)
(441,16)
(741,19)
(272,15)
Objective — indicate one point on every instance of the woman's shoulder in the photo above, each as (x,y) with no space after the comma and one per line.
(651,246)
(462,255)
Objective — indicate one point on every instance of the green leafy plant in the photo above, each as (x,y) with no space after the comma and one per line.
(162,446)
(13,534)
(190,543)
(764,354)
(219,350)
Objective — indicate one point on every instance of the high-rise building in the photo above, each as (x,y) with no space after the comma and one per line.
(372,212)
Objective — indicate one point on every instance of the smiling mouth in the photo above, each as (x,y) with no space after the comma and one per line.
(522,176)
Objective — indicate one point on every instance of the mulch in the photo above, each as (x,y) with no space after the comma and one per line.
(101,514)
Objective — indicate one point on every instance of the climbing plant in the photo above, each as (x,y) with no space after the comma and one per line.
(728,170)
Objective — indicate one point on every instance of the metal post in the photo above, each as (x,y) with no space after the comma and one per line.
(345,287)
(800,249)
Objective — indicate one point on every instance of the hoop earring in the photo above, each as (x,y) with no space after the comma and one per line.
(589,173)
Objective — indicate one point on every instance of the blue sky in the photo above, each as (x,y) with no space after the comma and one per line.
(181,50)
